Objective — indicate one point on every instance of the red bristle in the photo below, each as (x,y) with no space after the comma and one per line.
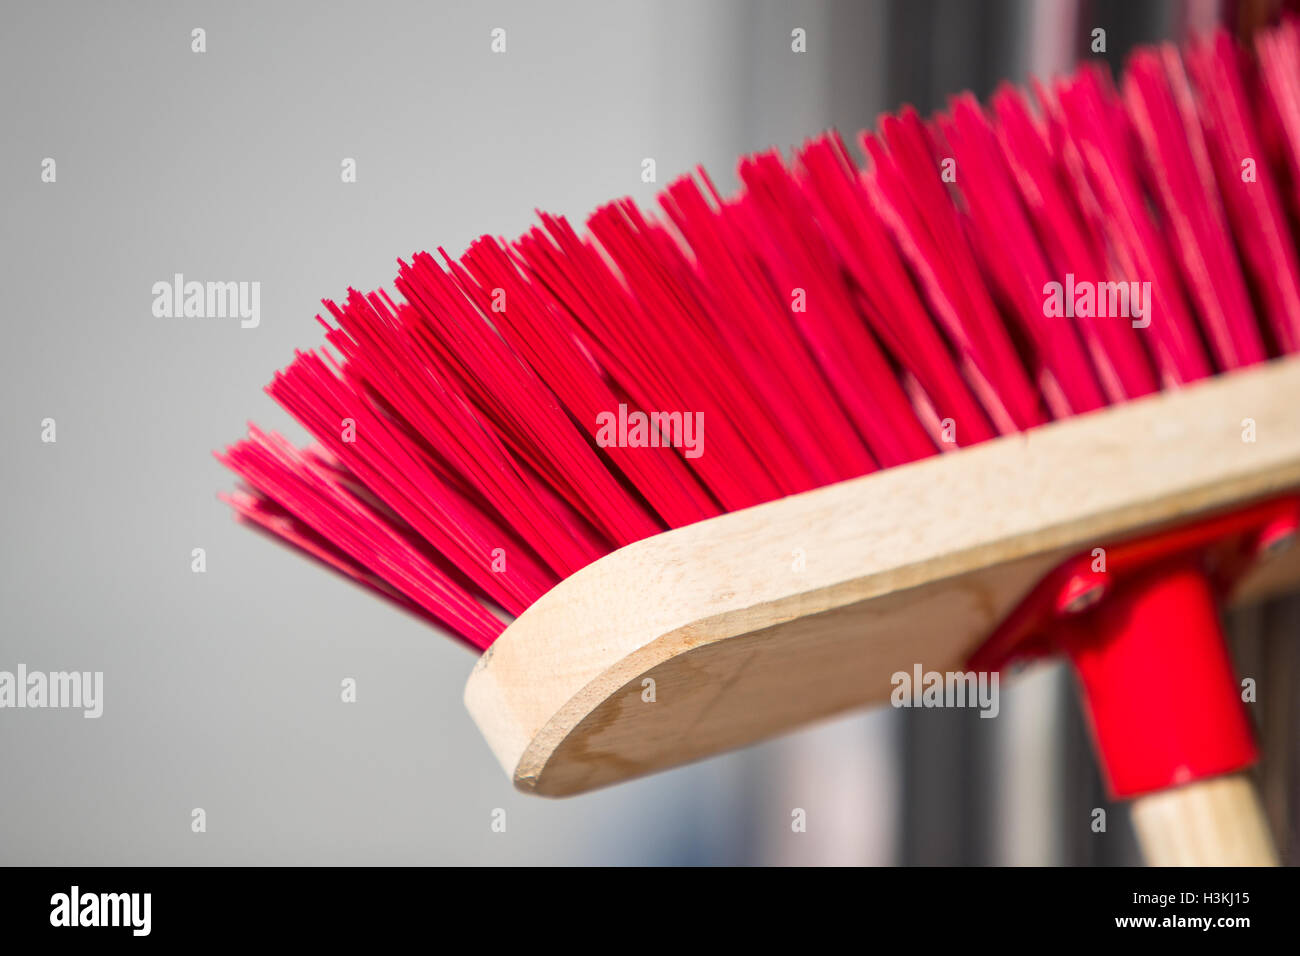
(552,346)
(516,402)
(891,303)
(754,325)
(1279,65)
(1096,131)
(1123,368)
(1255,207)
(264,515)
(906,188)
(1159,100)
(679,344)
(824,322)
(301,488)
(651,342)
(1012,255)
(394,458)
(801,262)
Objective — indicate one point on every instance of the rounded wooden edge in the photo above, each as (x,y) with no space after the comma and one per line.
(529,773)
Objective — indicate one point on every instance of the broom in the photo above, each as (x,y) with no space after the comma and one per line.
(689,480)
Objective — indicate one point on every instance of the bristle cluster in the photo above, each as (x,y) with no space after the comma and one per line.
(485,435)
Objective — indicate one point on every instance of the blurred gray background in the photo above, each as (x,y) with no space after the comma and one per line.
(222,688)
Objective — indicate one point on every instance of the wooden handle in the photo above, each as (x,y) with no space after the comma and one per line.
(1215,822)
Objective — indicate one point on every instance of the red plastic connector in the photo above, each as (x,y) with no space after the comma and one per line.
(1140,622)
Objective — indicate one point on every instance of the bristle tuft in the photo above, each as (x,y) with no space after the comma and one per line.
(515,413)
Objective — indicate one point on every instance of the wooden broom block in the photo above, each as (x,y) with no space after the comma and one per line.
(755,623)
